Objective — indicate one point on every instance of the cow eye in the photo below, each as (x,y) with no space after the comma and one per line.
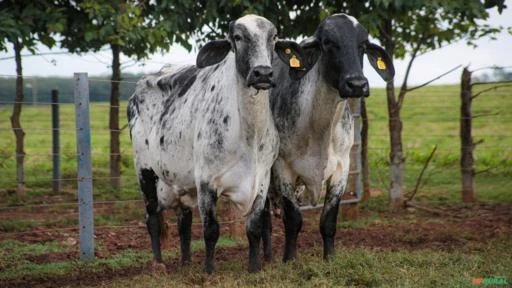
(237,37)
(274,37)
(329,43)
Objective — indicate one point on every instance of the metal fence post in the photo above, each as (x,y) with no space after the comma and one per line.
(55,141)
(84,167)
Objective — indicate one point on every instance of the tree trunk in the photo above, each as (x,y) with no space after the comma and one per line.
(364,152)
(466,139)
(115,155)
(396,163)
(16,125)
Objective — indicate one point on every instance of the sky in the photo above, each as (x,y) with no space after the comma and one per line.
(428,66)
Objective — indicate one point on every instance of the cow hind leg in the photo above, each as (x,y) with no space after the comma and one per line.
(154,221)
(328,220)
(207,209)
(184,216)
(266,232)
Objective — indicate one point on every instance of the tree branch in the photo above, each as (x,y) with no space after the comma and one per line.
(421,173)
(478,142)
(485,115)
(489,89)
(434,79)
(403,89)
(483,171)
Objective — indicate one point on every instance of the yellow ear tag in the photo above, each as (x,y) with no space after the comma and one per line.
(294,62)
(288,51)
(380,64)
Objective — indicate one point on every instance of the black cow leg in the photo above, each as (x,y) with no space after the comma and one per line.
(184,216)
(292,219)
(266,232)
(207,209)
(328,222)
(253,231)
(147,182)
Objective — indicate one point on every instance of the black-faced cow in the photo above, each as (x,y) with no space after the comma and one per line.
(315,123)
(206,131)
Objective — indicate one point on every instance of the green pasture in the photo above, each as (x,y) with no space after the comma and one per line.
(430,117)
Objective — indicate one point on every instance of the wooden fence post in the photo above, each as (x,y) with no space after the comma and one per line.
(84,167)
(466,139)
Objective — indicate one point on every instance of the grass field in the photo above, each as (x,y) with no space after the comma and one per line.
(451,258)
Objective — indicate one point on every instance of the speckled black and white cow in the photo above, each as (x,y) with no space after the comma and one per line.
(206,131)
(314,121)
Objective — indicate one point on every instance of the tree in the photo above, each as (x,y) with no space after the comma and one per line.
(133,28)
(24,24)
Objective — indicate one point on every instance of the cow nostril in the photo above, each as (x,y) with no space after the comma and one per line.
(359,84)
(270,74)
(257,73)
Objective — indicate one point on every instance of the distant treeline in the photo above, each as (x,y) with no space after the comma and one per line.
(39,88)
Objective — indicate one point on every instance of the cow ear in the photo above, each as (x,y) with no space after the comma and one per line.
(290,53)
(212,53)
(380,61)
(311,51)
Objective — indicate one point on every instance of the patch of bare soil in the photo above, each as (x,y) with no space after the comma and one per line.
(407,230)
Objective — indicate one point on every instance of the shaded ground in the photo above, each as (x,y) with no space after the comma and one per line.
(456,228)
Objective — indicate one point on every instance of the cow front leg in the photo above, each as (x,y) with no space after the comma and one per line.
(329,218)
(154,221)
(254,231)
(184,216)
(292,219)
(266,232)
(207,209)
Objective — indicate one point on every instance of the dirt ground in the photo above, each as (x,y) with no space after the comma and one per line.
(453,228)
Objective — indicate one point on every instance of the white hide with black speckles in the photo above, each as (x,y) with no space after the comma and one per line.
(205,127)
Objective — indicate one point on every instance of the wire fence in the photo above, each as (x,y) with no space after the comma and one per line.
(37,127)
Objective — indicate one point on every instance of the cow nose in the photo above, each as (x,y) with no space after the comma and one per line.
(354,87)
(262,72)
(261,77)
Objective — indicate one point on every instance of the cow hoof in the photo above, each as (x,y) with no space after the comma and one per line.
(208,269)
(159,267)
(254,269)
(185,262)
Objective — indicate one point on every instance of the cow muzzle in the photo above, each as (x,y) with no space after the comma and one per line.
(260,77)
(354,87)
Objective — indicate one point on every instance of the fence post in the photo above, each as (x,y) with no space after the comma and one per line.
(55,141)
(466,139)
(84,167)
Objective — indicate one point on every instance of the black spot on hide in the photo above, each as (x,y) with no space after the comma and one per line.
(226,120)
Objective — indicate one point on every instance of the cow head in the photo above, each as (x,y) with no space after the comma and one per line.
(342,41)
(253,39)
